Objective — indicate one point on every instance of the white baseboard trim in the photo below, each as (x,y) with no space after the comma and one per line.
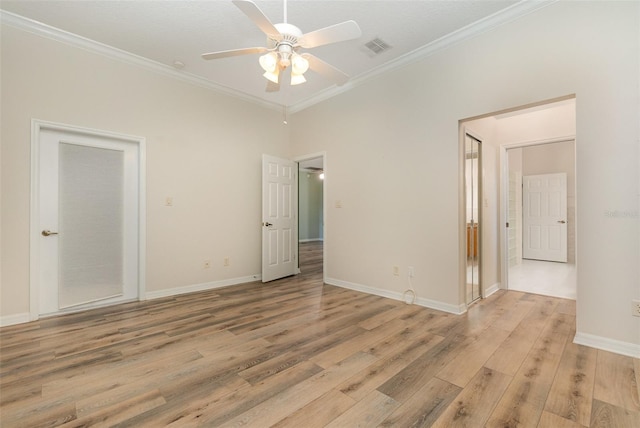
(606,344)
(489,291)
(150,295)
(421,301)
(311,240)
(8,320)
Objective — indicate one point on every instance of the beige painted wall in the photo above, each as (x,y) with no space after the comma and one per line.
(203,149)
(392,155)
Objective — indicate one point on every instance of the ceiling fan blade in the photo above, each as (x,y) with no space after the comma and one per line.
(250,9)
(347,30)
(327,70)
(234,52)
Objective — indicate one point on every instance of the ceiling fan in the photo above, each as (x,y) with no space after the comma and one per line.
(284,42)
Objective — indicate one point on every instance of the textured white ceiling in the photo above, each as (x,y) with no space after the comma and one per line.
(168,31)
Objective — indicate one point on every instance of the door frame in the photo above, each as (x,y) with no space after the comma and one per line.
(504,200)
(34,230)
(299,159)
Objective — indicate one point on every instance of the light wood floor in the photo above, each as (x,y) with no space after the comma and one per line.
(297,353)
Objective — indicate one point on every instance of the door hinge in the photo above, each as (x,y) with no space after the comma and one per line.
(507,224)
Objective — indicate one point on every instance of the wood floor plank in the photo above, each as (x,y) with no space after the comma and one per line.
(395,359)
(464,366)
(368,412)
(319,412)
(571,393)
(424,407)
(609,415)
(616,381)
(473,406)
(514,315)
(362,341)
(550,420)
(420,371)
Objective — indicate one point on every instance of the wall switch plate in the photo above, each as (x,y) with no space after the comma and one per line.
(635,308)
(227,261)
(410,271)
(396,271)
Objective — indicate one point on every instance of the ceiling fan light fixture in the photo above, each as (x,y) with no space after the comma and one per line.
(272,75)
(269,62)
(299,64)
(297,79)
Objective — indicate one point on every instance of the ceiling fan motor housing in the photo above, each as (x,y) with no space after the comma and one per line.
(286,45)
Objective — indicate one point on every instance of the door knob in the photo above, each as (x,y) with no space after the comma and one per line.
(267,224)
(561,221)
(48,233)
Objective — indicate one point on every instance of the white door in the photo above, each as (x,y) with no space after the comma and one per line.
(87,220)
(545,217)
(279,224)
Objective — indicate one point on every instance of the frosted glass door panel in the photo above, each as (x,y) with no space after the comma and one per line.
(91,224)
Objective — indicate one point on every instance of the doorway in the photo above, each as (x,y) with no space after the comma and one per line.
(86,219)
(541,211)
(311,173)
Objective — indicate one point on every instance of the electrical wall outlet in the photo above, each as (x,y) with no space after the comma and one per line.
(206,264)
(396,270)
(635,308)
(410,272)
(227,261)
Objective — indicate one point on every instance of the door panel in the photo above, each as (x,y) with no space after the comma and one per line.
(279,227)
(91,217)
(544,217)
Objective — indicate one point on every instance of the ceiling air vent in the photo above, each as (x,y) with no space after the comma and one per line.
(377,46)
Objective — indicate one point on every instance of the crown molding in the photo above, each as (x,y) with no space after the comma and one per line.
(52,33)
(504,16)
(486,24)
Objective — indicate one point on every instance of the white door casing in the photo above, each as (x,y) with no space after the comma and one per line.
(544,199)
(51,145)
(279,218)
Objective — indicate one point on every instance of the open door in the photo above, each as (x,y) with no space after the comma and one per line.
(279,223)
